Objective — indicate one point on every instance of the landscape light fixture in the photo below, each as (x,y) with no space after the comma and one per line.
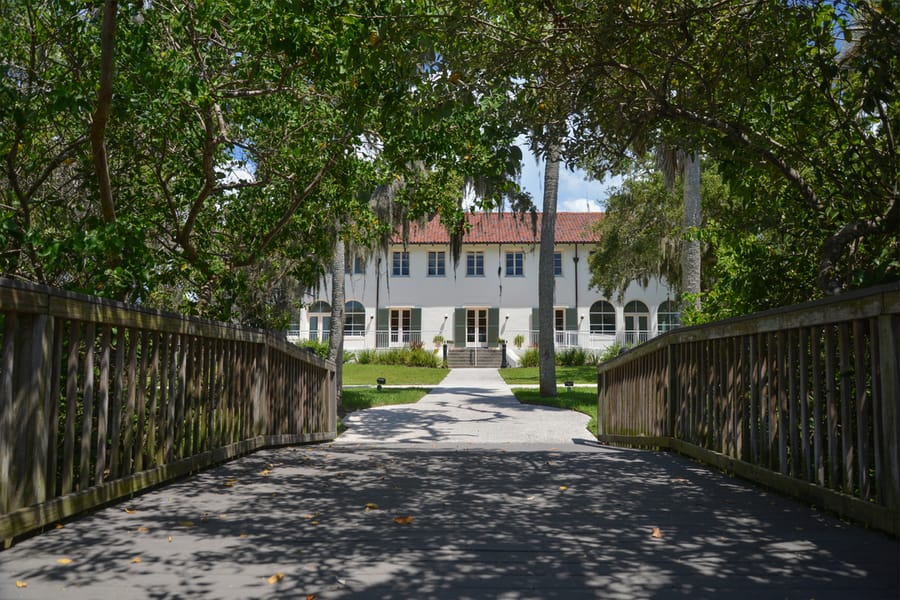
(380,381)
(568,385)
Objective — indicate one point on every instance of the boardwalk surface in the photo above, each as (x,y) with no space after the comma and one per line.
(493,499)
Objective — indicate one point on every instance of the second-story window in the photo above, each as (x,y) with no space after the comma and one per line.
(436,264)
(400,266)
(515,264)
(475,264)
(557,264)
(356,265)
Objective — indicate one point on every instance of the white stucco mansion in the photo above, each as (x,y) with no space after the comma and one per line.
(416,294)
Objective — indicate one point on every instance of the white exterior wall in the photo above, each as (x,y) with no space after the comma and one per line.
(515,297)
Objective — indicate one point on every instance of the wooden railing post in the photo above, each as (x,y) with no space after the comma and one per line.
(889,383)
(671,389)
(260,397)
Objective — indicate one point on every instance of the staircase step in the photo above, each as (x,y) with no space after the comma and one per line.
(488,358)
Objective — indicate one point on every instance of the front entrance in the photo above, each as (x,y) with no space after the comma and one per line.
(401,320)
(476,327)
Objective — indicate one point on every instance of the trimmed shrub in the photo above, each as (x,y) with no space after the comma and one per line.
(365,357)
(420,357)
(531,358)
(320,348)
(575,357)
(612,352)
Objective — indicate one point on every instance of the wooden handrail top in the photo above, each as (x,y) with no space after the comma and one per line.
(29,298)
(856,304)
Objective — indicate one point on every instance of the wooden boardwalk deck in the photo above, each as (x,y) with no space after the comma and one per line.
(442,519)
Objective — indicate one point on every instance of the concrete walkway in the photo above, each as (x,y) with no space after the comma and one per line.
(470,408)
(466,495)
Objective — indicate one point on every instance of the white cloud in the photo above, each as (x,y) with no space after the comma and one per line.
(576,192)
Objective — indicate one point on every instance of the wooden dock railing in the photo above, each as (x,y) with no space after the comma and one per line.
(802,399)
(100,399)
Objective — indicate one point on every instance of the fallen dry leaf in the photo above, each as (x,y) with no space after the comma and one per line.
(310,597)
(371,506)
(186,523)
(230,482)
(563,488)
(169,539)
(136,559)
(656,533)
(143,529)
(680,480)
(265,472)
(130,511)
(21,584)
(244,534)
(404,520)
(275,578)
(60,526)
(64,561)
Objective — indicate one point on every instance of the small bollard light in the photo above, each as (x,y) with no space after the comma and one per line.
(568,385)
(380,381)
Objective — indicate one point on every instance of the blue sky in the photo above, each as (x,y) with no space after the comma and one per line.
(577,193)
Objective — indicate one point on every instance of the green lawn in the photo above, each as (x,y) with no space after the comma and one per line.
(529,375)
(583,400)
(359,399)
(356,374)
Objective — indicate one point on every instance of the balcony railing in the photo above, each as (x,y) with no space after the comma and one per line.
(395,339)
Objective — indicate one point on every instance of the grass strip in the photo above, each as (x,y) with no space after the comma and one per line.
(530,375)
(363,398)
(356,374)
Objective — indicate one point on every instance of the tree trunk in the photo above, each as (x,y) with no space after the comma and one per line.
(336,339)
(104,107)
(546,278)
(690,257)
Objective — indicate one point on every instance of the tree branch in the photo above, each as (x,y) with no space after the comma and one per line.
(292,209)
(104,107)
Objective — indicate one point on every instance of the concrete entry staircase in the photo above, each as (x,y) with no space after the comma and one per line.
(467,358)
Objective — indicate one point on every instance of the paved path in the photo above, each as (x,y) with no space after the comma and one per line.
(494,500)
(470,408)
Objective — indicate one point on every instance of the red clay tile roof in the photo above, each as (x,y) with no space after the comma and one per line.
(509,228)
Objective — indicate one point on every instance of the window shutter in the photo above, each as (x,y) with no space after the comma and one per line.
(493,326)
(382,318)
(571,319)
(415,322)
(535,319)
(459,327)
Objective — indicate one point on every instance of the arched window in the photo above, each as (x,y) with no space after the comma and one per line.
(354,319)
(319,321)
(637,322)
(667,317)
(603,318)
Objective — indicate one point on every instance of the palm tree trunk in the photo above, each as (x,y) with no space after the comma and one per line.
(336,339)
(546,278)
(690,267)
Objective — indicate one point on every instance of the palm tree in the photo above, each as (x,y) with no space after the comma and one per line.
(672,161)
(546,278)
(338,298)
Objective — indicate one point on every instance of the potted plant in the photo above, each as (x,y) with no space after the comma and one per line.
(519,340)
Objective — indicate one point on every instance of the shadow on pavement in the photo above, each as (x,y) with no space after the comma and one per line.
(485,524)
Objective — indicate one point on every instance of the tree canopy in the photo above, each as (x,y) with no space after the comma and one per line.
(197,155)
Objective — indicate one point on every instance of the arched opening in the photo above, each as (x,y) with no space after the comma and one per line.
(603,318)
(667,317)
(319,314)
(354,319)
(637,322)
